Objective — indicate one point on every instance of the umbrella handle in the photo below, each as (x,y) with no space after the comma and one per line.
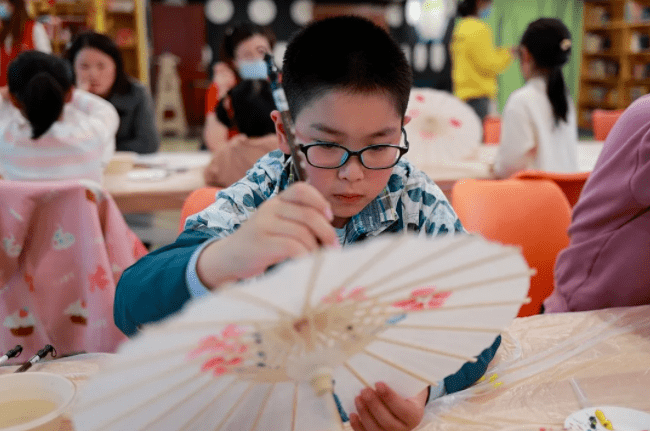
(321,383)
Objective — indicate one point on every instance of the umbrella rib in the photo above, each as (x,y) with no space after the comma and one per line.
(426,258)
(234,407)
(294,412)
(390,314)
(257,301)
(142,404)
(176,406)
(430,278)
(210,405)
(354,372)
(401,368)
(315,270)
(425,349)
(150,378)
(449,328)
(373,260)
(184,326)
(265,401)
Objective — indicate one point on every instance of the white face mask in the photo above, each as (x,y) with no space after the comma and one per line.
(255,69)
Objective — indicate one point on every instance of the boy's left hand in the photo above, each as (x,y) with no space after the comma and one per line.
(383,409)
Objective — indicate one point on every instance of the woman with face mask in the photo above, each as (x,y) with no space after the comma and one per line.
(242,59)
(18,33)
(475,61)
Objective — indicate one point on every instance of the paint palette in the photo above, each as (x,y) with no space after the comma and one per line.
(621,419)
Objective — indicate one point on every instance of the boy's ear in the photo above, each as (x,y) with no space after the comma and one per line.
(279,132)
(407,119)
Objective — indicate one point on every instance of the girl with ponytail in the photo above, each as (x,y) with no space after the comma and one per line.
(539,129)
(48,129)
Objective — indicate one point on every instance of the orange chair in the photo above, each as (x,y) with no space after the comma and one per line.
(533,214)
(491,130)
(571,184)
(602,122)
(195,202)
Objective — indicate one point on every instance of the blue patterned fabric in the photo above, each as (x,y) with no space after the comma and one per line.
(410,201)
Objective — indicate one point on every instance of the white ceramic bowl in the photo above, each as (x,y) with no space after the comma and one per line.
(31,385)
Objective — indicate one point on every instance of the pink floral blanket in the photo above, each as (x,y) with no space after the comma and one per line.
(63,246)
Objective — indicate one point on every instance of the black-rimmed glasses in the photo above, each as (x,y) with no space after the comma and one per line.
(328,155)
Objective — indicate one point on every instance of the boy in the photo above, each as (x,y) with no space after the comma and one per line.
(348,85)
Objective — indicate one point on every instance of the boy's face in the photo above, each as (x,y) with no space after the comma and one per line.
(353,121)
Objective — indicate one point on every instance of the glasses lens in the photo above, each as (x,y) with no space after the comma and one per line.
(326,156)
(380,156)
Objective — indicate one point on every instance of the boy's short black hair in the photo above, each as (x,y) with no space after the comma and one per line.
(346,53)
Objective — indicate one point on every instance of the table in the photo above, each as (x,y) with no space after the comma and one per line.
(184,175)
(478,165)
(607,351)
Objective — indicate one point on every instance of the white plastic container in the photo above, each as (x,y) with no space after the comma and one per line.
(36,389)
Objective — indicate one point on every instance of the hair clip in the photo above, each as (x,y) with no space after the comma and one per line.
(565,44)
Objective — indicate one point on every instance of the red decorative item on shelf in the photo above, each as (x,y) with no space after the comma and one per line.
(124,37)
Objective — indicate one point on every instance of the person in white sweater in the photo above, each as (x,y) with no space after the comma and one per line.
(48,129)
(539,129)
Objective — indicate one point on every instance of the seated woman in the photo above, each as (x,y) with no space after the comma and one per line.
(99,68)
(242,53)
(607,262)
(48,129)
(539,129)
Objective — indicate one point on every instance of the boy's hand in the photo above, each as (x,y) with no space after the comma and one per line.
(384,410)
(292,224)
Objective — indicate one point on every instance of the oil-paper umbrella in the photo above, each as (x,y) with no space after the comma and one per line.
(443,129)
(266,354)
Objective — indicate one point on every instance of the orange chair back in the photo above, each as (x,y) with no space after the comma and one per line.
(571,184)
(195,202)
(533,214)
(602,122)
(491,130)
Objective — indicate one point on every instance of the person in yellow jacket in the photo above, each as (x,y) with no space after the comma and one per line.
(475,61)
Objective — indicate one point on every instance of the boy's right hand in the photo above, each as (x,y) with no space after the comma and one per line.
(292,224)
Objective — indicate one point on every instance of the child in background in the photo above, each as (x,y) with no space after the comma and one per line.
(475,61)
(539,129)
(607,262)
(247,109)
(99,68)
(241,57)
(347,83)
(48,129)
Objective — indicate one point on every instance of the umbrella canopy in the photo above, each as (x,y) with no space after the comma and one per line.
(443,129)
(266,354)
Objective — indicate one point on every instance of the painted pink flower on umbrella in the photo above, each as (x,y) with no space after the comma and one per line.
(227,348)
(423,299)
(338,296)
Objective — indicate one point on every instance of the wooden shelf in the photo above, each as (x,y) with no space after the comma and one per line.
(644,54)
(620,33)
(92,14)
(605,81)
(614,25)
(602,54)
